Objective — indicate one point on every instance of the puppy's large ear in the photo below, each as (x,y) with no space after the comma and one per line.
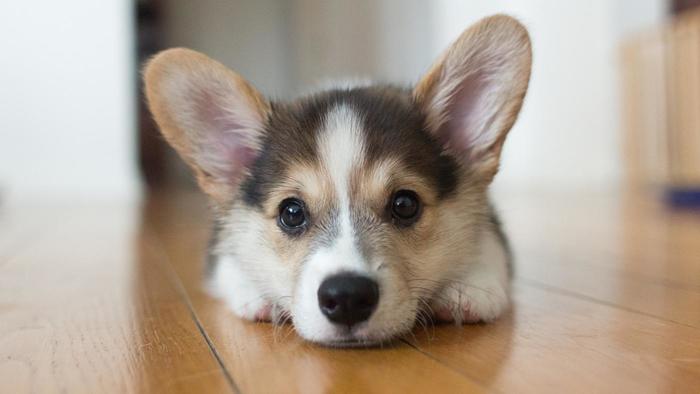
(473,93)
(209,114)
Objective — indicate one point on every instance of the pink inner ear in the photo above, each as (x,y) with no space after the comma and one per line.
(240,157)
(469,115)
(226,147)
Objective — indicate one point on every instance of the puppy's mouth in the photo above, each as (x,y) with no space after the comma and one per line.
(345,337)
(352,343)
(357,342)
(358,337)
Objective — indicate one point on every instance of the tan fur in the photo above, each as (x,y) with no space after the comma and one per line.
(371,189)
(311,184)
(431,240)
(308,182)
(206,73)
(374,184)
(443,235)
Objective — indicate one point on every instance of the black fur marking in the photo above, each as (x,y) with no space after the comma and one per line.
(290,136)
(393,125)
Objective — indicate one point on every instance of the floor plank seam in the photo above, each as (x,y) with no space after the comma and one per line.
(448,366)
(183,293)
(579,296)
(213,350)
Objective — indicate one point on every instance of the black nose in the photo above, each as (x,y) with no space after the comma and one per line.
(348,298)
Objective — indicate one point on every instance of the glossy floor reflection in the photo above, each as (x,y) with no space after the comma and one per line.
(106,298)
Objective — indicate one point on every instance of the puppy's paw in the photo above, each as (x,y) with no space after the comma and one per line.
(247,302)
(240,293)
(254,310)
(466,303)
(481,293)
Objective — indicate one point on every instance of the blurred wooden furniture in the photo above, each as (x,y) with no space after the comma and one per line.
(106,298)
(678,6)
(661,103)
(152,154)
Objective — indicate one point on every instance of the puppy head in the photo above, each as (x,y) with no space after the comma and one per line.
(350,208)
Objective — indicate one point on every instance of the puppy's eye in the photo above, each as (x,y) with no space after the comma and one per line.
(405,207)
(292,215)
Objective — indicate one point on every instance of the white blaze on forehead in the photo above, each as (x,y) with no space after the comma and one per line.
(341,149)
(341,146)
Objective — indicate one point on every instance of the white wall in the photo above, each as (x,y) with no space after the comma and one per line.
(286,47)
(568,132)
(251,37)
(67,82)
(66,100)
(384,40)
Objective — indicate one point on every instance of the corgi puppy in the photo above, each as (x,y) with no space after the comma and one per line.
(358,211)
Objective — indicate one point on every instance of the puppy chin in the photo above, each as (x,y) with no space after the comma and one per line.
(360,336)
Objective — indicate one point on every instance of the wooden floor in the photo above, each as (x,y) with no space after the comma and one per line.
(106,298)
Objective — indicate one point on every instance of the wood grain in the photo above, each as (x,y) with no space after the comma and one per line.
(86,307)
(626,251)
(561,343)
(108,299)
